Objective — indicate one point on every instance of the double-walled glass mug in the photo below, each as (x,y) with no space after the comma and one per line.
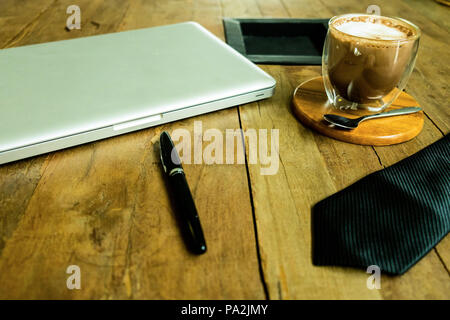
(367,60)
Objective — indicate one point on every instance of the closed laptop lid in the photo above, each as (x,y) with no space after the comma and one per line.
(58,89)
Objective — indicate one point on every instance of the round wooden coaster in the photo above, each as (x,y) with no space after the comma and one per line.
(310,103)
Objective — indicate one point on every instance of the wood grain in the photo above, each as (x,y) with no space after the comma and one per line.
(104,205)
(310,104)
(283,204)
(111,216)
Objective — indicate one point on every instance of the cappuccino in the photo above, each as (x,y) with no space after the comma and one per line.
(368,56)
(369,30)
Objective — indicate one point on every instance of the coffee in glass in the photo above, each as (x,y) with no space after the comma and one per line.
(367,60)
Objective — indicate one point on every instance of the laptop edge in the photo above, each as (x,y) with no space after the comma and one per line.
(130,126)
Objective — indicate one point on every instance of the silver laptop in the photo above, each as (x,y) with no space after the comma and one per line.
(60,94)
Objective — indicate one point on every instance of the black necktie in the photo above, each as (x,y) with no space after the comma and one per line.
(390,218)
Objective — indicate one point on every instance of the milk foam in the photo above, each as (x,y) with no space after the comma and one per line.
(370,30)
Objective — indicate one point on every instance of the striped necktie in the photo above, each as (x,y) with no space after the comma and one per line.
(391,218)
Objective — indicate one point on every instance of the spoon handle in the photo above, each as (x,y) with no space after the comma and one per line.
(394,112)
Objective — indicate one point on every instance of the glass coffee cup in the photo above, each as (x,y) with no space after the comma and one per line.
(367,60)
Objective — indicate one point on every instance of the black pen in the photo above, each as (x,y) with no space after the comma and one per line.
(182,197)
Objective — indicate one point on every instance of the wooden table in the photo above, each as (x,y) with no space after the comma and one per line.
(103,206)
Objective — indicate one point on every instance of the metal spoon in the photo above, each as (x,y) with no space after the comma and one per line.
(348,123)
